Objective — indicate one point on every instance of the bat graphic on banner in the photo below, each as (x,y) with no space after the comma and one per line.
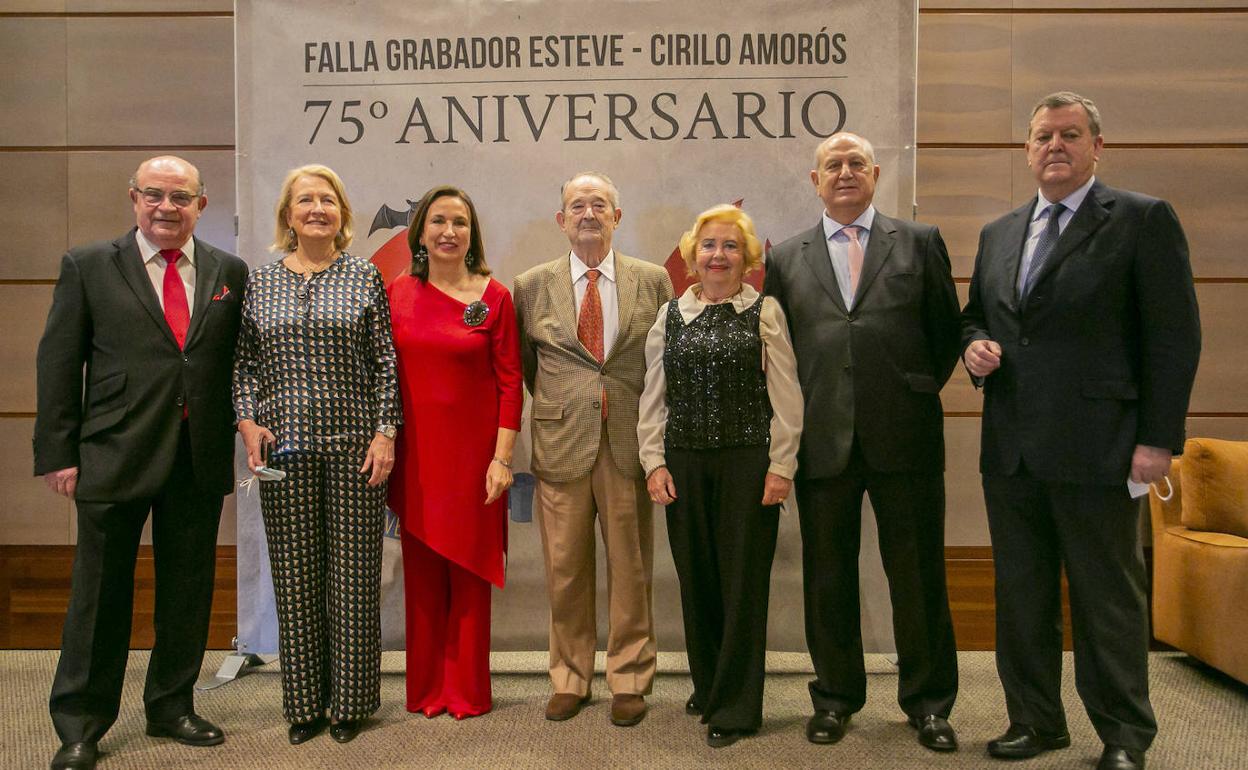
(393,257)
(387,217)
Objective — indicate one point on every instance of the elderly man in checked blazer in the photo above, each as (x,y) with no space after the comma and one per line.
(583,320)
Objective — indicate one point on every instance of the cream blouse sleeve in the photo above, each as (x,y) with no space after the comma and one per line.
(782,389)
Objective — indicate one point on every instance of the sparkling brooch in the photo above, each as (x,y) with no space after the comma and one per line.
(476,313)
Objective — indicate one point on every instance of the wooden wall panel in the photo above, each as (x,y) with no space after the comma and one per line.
(27,311)
(964,78)
(1163,77)
(1222,380)
(966,523)
(1229,428)
(32,513)
(99,206)
(33,187)
(32,94)
(149,6)
(117,97)
(961,190)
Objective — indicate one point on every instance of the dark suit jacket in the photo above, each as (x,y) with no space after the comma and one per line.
(1102,354)
(112,381)
(875,371)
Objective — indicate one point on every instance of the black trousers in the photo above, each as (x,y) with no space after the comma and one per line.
(723,540)
(95,643)
(910,516)
(1038,528)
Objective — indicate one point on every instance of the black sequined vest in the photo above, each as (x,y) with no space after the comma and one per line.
(716,389)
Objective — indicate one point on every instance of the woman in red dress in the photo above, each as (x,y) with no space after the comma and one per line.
(459,376)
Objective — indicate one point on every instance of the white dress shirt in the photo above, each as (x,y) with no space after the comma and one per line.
(156,265)
(838,247)
(1072,203)
(606,291)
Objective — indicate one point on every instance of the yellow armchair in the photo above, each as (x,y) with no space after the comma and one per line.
(1200,555)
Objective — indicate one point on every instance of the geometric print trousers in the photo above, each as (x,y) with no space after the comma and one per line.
(324,529)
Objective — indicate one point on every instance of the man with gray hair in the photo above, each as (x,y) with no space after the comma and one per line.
(583,321)
(874,319)
(134,422)
(1081,327)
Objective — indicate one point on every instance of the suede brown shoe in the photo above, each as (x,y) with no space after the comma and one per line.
(627,709)
(564,705)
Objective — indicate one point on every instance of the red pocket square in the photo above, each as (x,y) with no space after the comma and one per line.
(225,291)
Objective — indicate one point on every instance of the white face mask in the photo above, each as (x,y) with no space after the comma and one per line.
(1138,490)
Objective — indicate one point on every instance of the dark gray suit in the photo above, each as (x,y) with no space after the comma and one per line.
(112,387)
(1098,358)
(870,378)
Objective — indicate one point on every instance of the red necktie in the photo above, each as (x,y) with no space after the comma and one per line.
(589,325)
(177,310)
(855,258)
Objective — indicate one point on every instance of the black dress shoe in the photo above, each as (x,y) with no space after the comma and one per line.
(1118,758)
(1023,741)
(719,737)
(79,755)
(189,729)
(935,732)
(826,726)
(692,708)
(305,731)
(346,730)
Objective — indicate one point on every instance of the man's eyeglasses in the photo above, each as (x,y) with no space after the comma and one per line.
(153,197)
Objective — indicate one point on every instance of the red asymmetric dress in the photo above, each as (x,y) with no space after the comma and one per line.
(460,383)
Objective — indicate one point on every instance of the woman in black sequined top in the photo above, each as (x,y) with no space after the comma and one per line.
(720,420)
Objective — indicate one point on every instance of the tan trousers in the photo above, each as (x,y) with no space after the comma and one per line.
(566,514)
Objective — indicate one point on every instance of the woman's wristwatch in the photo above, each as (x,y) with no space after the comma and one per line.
(389,431)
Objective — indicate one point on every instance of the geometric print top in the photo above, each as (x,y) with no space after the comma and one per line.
(315,363)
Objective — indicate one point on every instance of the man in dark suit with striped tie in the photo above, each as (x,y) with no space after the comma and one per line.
(134,418)
(1082,328)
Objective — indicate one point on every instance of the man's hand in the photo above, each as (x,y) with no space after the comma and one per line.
(660,485)
(982,357)
(62,482)
(1150,464)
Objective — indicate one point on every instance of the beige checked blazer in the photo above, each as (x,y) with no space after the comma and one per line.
(566,381)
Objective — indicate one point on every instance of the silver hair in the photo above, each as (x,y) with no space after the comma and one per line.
(1061,99)
(866,145)
(613,192)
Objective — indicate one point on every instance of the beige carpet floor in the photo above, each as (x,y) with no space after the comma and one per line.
(1203,718)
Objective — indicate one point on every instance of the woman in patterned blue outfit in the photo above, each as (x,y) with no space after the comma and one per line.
(315,392)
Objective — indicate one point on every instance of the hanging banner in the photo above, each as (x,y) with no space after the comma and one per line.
(684,105)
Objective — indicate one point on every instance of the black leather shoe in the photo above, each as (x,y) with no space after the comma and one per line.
(189,729)
(718,737)
(1023,741)
(692,708)
(346,730)
(79,755)
(935,732)
(305,731)
(1118,758)
(826,726)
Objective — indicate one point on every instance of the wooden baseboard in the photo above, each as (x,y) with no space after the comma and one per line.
(34,591)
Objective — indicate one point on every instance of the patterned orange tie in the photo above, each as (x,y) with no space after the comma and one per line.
(589,325)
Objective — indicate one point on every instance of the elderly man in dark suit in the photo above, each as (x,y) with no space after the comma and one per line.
(134,417)
(874,320)
(1083,330)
